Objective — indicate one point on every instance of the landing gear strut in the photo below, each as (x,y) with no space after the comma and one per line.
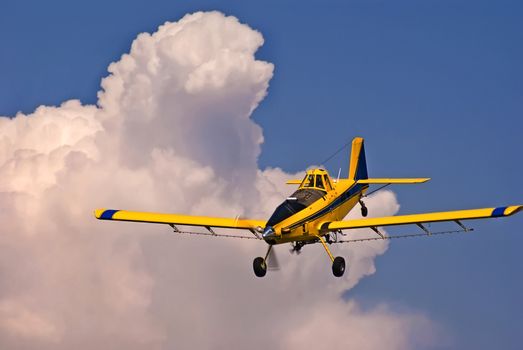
(364,210)
(259,264)
(338,263)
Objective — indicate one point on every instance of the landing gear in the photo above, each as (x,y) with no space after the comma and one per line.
(259,266)
(364,210)
(338,266)
(338,263)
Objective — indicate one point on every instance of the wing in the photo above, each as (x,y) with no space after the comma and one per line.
(175,219)
(419,219)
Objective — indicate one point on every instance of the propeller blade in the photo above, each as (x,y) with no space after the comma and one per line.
(272,261)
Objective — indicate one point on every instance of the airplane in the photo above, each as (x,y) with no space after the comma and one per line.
(315,213)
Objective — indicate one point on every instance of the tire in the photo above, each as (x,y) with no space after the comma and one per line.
(338,266)
(364,211)
(259,267)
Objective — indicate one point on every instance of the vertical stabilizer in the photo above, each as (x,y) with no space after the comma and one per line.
(358,164)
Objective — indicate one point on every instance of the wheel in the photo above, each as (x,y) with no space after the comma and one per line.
(338,266)
(259,266)
(364,211)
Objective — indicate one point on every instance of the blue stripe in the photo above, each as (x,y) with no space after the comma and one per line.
(498,211)
(361,167)
(108,214)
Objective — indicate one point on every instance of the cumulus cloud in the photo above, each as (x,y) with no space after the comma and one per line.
(171,132)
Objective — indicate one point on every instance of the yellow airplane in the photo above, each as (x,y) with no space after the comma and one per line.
(314,213)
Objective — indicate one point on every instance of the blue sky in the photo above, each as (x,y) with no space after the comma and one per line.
(435,87)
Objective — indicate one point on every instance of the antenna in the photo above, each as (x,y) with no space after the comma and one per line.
(338,178)
(337,151)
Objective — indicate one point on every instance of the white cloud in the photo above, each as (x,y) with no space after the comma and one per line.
(171,132)
(21,322)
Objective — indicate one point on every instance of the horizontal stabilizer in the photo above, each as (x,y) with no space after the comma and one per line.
(383,181)
(294,182)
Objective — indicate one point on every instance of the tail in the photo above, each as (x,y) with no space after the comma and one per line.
(358,164)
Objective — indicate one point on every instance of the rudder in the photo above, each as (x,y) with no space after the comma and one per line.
(358,163)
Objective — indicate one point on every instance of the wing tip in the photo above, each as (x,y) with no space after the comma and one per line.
(98,213)
(506,211)
(513,209)
(104,214)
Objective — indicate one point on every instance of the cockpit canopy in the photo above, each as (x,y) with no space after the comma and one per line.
(317,179)
(313,187)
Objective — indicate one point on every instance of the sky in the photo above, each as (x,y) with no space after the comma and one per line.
(434,87)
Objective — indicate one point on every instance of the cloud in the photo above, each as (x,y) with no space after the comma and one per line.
(171,132)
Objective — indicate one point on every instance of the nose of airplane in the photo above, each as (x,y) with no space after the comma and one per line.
(268,233)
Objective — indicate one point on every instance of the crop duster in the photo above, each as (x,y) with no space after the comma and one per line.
(315,213)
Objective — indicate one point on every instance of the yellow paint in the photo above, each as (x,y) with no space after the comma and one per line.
(357,144)
(512,210)
(320,238)
(293,182)
(421,218)
(175,219)
(394,181)
(321,217)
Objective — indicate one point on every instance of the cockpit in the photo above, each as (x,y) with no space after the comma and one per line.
(314,186)
(317,179)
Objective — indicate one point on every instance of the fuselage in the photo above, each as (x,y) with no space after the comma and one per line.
(317,201)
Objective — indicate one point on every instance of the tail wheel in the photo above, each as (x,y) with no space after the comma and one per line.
(259,266)
(338,266)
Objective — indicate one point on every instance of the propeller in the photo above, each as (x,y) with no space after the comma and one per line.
(272,261)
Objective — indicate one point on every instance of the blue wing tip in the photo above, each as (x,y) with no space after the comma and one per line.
(499,211)
(108,214)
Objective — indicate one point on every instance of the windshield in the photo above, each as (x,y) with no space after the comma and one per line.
(308,181)
(284,210)
(319,182)
(299,200)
